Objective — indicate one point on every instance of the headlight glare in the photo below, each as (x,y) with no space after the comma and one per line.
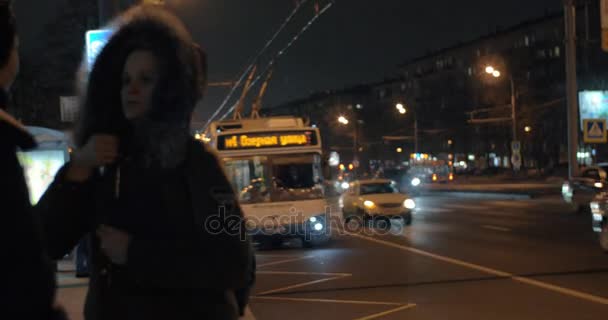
(369,204)
(416,182)
(409,203)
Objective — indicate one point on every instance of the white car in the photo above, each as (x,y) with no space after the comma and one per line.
(377,198)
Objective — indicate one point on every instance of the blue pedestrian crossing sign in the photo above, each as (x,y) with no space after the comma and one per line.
(95,41)
(594,130)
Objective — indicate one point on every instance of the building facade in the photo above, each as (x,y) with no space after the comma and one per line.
(458,108)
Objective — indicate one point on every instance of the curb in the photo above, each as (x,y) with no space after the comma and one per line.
(480,194)
(523,194)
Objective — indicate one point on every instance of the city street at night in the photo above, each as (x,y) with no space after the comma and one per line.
(304,159)
(477,257)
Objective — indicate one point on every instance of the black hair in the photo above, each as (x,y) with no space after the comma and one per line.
(8,31)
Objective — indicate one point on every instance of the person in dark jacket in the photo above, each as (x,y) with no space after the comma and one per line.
(27,290)
(147,190)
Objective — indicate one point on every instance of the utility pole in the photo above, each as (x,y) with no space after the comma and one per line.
(356,145)
(513,110)
(571,85)
(415,133)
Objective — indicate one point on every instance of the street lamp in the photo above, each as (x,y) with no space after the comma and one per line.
(496,74)
(343,120)
(402,110)
(399,150)
(528,129)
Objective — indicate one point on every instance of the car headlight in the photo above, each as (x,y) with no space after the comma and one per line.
(416,182)
(313,219)
(409,203)
(598,185)
(369,204)
(345,185)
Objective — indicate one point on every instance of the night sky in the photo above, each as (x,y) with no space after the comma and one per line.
(356,41)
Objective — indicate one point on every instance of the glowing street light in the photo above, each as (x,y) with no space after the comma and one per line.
(399,150)
(496,73)
(342,120)
(490,70)
(401,108)
(528,129)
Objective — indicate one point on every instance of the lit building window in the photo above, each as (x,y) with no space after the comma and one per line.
(470,71)
(541,53)
(557,51)
(527,41)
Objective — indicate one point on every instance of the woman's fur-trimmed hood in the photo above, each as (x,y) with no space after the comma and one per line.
(150,28)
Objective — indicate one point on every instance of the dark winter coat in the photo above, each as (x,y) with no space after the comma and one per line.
(28,281)
(177,267)
(169,185)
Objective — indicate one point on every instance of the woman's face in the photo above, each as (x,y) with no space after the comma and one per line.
(139,79)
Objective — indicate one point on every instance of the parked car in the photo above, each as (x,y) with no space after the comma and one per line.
(581,190)
(376,199)
(599,214)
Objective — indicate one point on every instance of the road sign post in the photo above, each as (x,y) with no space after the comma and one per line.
(95,40)
(516,155)
(594,130)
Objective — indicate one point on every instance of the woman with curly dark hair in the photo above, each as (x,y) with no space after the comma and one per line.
(145,189)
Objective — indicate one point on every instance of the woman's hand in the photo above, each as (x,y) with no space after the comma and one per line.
(100,150)
(114,243)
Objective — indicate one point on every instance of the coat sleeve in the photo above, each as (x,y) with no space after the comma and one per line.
(28,286)
(204,256)
(65,210)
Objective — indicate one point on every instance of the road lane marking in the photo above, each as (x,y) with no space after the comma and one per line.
(295,273)
(528,281)
(328,301)
(382,314)
(276,255)
(467,206)
(496,228)
(274,263)
(299,285)
(511,204)
(434,210)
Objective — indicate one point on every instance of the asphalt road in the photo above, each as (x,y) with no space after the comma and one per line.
(463,258)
